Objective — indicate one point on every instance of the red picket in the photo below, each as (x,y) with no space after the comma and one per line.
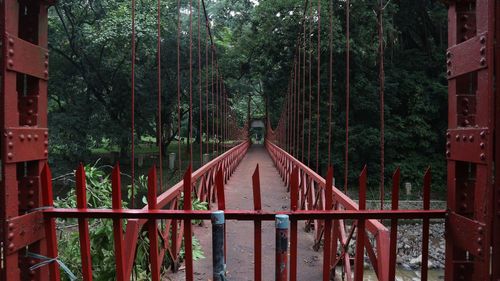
(360,237)
(188,231)
(50,225)
(83,226)
(117,223)
(394,225)
(153,227)
(257,226)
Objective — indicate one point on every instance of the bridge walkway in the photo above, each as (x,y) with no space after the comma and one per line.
(240,249)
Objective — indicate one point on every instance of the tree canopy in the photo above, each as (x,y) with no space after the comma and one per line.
(90,43)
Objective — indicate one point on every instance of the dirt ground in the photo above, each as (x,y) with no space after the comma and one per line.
(239,242)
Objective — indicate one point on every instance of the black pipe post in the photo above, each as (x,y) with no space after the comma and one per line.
(219,268)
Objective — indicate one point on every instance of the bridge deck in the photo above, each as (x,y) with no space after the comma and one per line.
(240,234)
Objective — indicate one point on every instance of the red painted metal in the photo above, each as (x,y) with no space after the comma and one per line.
(360,237)
(23,84)
(425,225)
(257,226)
(327,243)
(188,231)
(83,225)
(472,40)
(153,227)
(313,200)
(117,224)
(394,225)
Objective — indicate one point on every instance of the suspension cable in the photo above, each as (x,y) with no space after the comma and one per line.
(382,81)
(179,83)
(348,91)
(159,125)
(330,82)
(132,160)
(310,87)
(318,86)
(200,133)
(190,138)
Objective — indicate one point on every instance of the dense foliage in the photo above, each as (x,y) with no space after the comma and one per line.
(90,75)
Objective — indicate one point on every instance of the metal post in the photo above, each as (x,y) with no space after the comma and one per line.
(282,224)
(219,271)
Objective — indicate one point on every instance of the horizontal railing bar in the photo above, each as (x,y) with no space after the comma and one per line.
(248,215)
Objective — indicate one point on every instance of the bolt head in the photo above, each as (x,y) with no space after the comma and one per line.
(457,138)
(10,155)
(483,61)
(11,41)
(11,52)
(471,138)
(482,39)
(482,156)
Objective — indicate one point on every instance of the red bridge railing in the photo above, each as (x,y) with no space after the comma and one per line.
(201,184)
(310,192)
(328,216)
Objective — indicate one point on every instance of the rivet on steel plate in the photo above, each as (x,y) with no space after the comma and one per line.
(482,40)
(482,61)
(471,138)
(10,155)
(457,138)
(480,230)
(482,134)
(482,156)
(482,145)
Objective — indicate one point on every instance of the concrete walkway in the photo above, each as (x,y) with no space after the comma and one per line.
(239,242)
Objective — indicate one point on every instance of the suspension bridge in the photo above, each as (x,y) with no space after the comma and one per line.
(276,189)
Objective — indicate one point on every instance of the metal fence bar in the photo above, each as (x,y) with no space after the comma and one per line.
(257,226)
(153,227)
(394,225)
(188,231)
(360,237)
(83,226)
(327,244)
(294,196)
(425,225)
(117,223)
(50,224)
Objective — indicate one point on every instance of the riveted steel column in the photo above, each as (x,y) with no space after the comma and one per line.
(219,270)
(282,225)
(24,142)
(470,140)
